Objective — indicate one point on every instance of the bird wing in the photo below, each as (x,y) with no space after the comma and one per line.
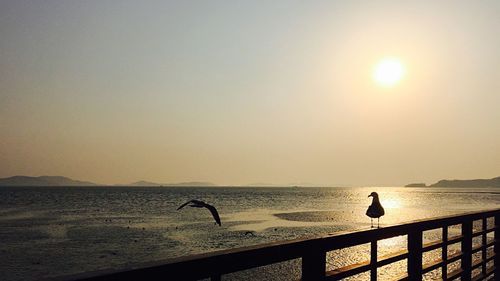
(382,211)
(370,211)
(375,210)
(214,212)
(198,203)
(182,206)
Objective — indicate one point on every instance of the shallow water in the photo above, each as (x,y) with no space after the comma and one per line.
(57,230)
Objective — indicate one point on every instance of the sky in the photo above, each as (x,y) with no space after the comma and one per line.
(249,92)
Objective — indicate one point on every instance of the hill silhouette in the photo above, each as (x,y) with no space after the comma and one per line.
(192,183)
(43,181)
(494,182)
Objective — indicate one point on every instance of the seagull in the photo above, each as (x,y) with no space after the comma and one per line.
(201,204)
(375,210)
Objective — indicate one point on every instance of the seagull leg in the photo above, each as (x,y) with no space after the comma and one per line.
(378,222)
(371,221)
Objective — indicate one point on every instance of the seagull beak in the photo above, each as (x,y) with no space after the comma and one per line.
(370,195)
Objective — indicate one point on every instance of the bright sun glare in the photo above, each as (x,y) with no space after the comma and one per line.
(388,72)
(391,203)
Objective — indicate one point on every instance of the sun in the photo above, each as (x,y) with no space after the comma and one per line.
(388,72)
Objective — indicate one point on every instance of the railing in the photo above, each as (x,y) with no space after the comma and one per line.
(313,254)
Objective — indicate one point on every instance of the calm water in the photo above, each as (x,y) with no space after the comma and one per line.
(56,231)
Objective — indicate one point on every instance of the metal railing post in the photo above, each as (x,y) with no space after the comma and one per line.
(444,253)
(415,255)
(314,265)
(497,246)
(467,250)
(483,243)
(373,260)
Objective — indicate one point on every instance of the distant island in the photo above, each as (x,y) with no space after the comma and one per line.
(43,181)
(192,183)
(494,182)
(416,185)
(64,181)
(144,183)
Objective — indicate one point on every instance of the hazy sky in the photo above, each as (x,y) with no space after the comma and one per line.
(239,92)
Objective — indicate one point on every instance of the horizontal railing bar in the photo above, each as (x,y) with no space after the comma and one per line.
(454,239)
(430,266)
(490,258)
(227,261)
(491,243)
(360,267)
(401,277)
(433,245)
(454,274)
(482,247)
(454,257)
(477,249)
(392,257)
(438,243)
(490,270)
(482,276)
(477,264)
(347,271)
(429,246)
(480,262)
(353,269)
(478,277)
(481,232)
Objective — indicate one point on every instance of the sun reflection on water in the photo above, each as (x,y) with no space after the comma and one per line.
(391,203)
(394,242)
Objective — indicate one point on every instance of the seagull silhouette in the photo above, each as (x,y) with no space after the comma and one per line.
(200,204)
(375,210)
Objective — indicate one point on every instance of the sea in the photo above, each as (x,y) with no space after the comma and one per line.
(57,231)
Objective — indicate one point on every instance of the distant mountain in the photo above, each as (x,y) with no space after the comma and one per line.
(262,184)
(193,183)
(494,182)
(42,181)
(145,183)
(416,185)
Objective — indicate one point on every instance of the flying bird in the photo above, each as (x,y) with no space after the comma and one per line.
(200,204)
(375,210)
